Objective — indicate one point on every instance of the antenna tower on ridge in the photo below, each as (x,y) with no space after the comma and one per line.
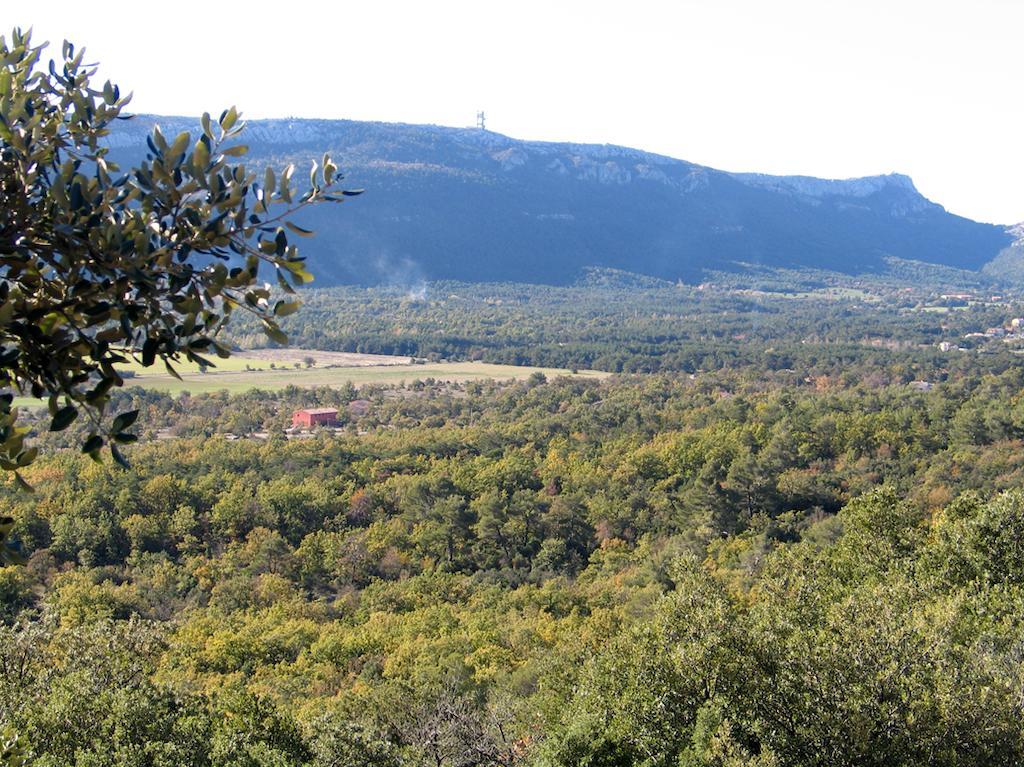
(480,121)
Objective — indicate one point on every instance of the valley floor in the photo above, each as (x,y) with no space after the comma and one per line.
(253,370)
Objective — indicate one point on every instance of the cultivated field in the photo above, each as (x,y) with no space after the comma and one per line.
(292,367)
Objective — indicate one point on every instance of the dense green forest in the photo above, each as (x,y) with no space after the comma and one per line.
(745,559)
(625,323)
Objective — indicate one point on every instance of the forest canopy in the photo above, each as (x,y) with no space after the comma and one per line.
(651,570)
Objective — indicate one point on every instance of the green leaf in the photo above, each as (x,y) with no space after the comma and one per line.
(27,457)
(118,456)
(158,137)
(100,391)
(228,119)
(284,308)
(302,276)
(201,155)
(93,444)
(284,185)
(179,144)
(63,418)
(124,420)
(149,349)
(275,333)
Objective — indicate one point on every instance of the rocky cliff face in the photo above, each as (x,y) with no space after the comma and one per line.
(811,190)
(449,203)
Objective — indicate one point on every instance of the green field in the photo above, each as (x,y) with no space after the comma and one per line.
(231,375)
(820,294)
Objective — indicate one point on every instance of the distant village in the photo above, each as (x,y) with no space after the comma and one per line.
(1011,332)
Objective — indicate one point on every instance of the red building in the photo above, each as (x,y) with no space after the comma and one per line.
(314,416)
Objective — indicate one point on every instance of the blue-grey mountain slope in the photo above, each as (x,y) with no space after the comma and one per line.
(472,205)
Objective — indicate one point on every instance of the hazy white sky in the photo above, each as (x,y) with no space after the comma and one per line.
(832,88)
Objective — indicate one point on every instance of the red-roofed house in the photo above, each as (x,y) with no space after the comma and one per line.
(314,416)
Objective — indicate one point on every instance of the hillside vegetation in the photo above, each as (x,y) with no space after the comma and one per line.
(639,571)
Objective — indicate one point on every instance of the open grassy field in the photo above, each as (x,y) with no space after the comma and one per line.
(251,370)
(269,360)
(833,293)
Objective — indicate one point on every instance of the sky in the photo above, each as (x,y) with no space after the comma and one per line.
(828,88)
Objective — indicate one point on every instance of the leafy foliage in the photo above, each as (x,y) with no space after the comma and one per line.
(100,264)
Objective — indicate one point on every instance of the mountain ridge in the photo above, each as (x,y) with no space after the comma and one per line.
(474,205)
